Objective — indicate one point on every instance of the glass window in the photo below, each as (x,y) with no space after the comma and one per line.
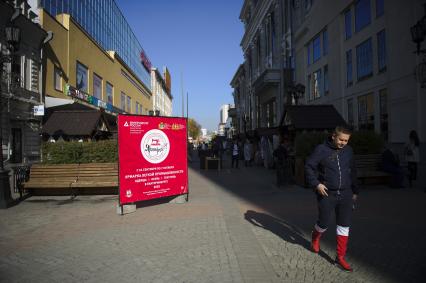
(349,67)
(364,59)
(348,24)
(129,104)
(350,112)
(316,84)
(384,114)
(57,78)
(308,53)
(381,50)
(325,42)
(362,14)
(97,86)
(81,77)
(109,92)
(380,8)
(366,112)
(123,101)
(326,87)
(137,108)
(309,92)
(317,48)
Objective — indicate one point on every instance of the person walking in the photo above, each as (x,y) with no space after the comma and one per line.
(411,153)
(280,154)
(247,152)
(331,172)
(235,154)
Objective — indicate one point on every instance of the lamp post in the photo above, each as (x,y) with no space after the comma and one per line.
(12,35)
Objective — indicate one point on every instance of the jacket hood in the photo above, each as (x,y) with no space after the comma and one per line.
(329,142)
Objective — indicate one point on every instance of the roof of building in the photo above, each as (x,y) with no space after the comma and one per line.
(74,123)
(312,117)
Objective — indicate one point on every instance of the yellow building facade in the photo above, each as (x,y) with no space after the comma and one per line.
(77,68)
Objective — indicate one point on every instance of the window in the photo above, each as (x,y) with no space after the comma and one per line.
(123,101)
(309,88)
(362,14)
(308,51)
(129,104)
(380,8)
(81,77)
(384,114)
(350,112)
(326,87)
(325,42)
(381,50)
(315,85)
(317,48)
(57,78)
(366,112)
(364,59)
(109,92)
(97,86)
(137,108)
(348,24)
(349,67)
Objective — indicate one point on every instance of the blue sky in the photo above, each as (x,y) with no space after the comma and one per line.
(199,39)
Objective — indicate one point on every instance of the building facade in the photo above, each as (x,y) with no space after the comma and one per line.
(357,57)
(161,95)
(260,83)
(78,68)
(21,85)
(105,23)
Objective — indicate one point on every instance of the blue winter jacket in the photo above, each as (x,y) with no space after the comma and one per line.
(332,167)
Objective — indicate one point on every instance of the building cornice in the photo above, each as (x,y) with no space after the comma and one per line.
(262,9)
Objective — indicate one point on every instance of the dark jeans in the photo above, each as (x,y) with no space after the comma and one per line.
(341,204)
(412,172)
(234,159)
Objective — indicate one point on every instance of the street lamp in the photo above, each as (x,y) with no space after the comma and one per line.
(12,35)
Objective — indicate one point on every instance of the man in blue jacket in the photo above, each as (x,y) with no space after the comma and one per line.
(331,172)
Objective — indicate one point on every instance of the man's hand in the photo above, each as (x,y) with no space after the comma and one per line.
(322,190)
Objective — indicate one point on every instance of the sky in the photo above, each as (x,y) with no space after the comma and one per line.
(199,42)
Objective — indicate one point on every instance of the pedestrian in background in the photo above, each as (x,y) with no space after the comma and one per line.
(281,154)
(391,164)
(235,153)
(330,171)
(412,156)
(247,152)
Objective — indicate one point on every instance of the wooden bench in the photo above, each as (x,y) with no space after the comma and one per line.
(74,177)
(369,167)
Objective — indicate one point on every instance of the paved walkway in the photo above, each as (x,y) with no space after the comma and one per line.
(236,227)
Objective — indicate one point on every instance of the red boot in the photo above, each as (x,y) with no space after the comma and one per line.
(315,244)
(342,243)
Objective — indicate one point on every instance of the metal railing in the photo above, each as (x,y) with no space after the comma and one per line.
(21,174)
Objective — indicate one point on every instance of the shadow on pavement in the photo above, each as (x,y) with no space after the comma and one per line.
(387,234)
(281,228)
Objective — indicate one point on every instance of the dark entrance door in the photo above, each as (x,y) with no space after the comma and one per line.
(16,156)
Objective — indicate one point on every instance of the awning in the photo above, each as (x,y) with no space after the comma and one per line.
(54,101)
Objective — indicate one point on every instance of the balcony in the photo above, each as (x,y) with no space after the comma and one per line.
(268,78)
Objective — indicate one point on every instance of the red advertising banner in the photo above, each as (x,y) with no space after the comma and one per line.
(152,157)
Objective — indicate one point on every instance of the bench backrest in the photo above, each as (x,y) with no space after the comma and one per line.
(368,161)
(73,170)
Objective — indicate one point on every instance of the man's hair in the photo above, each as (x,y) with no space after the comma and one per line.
(342,130)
